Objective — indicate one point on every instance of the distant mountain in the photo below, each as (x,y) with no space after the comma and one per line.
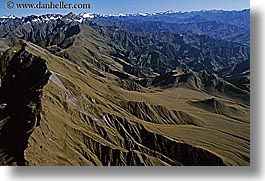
(231,17)
(158,52)
(213,29)
(201,81)
(239,75)
(226,25)
(164,51)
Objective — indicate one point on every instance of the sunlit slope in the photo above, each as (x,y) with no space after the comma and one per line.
(88,119)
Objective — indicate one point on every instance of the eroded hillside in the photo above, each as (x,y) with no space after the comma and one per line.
(91,96)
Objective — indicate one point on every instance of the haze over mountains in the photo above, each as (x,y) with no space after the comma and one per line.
(166,88)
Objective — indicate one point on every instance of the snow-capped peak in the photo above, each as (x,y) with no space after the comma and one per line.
(136,14)
(88,15)
(82,17)
(8,17)
(143,14)
(42,18)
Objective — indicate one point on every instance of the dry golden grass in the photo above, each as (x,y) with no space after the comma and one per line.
(73,130)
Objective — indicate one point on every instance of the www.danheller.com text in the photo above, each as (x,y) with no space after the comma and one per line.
(49,5)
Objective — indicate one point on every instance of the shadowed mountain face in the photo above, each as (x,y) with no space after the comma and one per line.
(22,77)
(130,90)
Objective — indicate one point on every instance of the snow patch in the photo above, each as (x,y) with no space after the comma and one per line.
(143,14)
(55,79)
(8,17)
(88,15)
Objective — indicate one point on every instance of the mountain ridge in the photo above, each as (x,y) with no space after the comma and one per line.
(104,96)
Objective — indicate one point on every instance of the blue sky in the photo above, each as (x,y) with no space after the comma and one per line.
(128,6)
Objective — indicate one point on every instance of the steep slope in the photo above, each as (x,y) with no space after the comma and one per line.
(95,125)
(85,121)
(23,76)
(82,94)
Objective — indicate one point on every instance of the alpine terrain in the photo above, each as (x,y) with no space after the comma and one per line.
(169,88)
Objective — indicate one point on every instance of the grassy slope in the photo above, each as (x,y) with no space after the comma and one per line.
(72,130)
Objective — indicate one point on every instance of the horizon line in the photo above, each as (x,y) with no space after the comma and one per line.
(150,13)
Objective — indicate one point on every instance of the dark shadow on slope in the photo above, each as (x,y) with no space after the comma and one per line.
(23,78)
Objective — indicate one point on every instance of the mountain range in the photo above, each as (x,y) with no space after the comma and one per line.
(169,88)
